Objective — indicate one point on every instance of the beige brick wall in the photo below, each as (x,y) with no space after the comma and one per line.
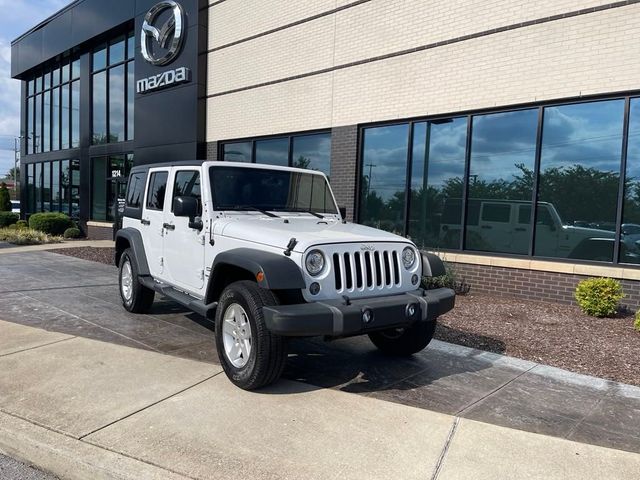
(582,55)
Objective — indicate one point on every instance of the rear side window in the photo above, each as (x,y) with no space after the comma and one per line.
(187,184)
(157,190)
(135,190)
(496,212)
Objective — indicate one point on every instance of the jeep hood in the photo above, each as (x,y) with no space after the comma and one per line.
(275,232)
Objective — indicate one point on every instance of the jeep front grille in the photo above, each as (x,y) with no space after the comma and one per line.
(368,270)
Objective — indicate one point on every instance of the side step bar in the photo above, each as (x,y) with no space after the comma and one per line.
(198,306)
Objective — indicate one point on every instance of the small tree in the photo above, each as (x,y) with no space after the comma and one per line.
(5,198)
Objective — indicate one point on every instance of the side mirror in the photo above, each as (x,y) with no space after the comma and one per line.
(188,207)
(343,212)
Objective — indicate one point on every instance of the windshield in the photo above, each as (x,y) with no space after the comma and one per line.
(242,188)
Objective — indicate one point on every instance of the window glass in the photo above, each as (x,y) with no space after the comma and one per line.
(55,77)
(116,104)
(131,93)
(99,58)
(46,117)
(273,152)
(187,184)
(237,152)
(65,185)
(630,239)
(31,87)
(75,114)
(38,84)
(65,72)
(135,190)
(30,187)
(38,184)
(437,173)
(116,50)
(75,188)
(46,186)
(31,142)
(313,152)
(55,186)
(47,80)
(38,127)
(131,46)
(99,108)
(503,151)
(384,175)
(98,189)
(55,119)
(64,123)
(157,190)
(579,180)
(75,69)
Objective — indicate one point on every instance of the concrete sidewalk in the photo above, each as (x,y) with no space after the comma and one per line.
(82,409)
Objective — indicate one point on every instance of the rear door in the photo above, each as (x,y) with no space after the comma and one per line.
(495,226)
(153,218)
(183,245)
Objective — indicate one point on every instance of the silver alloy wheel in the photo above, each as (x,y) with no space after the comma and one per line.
(236,335)
(126,281)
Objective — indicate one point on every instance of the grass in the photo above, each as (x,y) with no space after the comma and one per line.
(26,236)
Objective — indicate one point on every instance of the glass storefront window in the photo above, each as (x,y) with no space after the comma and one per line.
(55,187)
(579,180)
(64,123)
(131,94)
(630,229)
(55,119)
(116,104)
(46,186)
(116,50)
(75,69)
(38,126)
(75,114)
(65,185)
(273,151)
(31,126)
(75,188)
(99,108)
(65,71)
(131,46)
(46,117)
(98,188)
(237,152)
(384,177)
(99,58)
(38,187)
(437,180)
(313,152)
(503,152)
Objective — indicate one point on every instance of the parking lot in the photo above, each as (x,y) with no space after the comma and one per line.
(80,298)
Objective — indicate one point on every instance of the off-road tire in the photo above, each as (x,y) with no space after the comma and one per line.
(268,351)
(406,342)
(141,296)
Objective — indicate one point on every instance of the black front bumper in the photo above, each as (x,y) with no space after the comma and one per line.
(343,318)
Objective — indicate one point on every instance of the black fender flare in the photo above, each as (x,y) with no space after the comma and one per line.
(278,271)
(133,238)
(432,265)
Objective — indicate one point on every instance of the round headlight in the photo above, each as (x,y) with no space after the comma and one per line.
(314,262)
(408,258)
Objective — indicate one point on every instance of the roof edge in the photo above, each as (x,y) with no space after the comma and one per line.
(46,21)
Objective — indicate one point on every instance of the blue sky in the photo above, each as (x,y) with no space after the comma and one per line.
(18,17)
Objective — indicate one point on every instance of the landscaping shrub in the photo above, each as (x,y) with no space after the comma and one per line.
(22,224)
(26,236)
(50,222)
(73,232)
(8,218)
(636,324)
(448,280)
(5,198)
(599,297)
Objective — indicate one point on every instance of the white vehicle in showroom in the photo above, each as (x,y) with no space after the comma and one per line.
(265,252)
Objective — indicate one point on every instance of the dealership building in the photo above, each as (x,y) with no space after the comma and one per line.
(504,135)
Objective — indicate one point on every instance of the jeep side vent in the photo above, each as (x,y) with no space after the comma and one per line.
(360,271)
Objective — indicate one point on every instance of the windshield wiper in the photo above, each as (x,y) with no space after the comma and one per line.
(251,208)
(303,210)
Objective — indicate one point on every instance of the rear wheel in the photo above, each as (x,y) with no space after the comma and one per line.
(404,341)
(136,298)
(250,354)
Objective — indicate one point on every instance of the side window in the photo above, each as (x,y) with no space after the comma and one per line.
(187,184)
(524,214)
(496,212)
(135,190)
(157,189)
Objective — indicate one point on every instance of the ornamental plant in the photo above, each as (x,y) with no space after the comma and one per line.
(5,198)
(8,218)
(636,324)
(599,297)
(73,232)
(50,222)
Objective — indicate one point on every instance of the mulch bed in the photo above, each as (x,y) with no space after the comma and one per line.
(547,333)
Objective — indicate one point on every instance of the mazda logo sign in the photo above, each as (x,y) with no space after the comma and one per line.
(169,36)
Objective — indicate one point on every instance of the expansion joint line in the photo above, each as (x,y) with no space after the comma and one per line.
(445,449)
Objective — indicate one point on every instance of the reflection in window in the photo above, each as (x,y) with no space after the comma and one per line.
(273,151)
(384,175)
(579,180)
(157,190)
(75,114)
(38,127)
(237,152)
(437,174)
(313,152)
(64,124)
(55,119)
(46,186)
(503,150)
(630,231)
(116,103)
(99,108)
(131,93)
(46,116)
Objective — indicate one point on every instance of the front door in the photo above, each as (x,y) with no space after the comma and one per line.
(152,220)
(183,245)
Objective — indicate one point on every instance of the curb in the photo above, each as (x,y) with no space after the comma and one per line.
(70,458)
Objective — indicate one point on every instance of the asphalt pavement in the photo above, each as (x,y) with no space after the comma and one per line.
(11,469)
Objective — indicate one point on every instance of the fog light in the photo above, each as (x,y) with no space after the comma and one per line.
(415,279)
(314,288)
(367,316)
(411,310)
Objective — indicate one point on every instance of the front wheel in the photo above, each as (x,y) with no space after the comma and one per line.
(250,354)
(136,298)
(404,341)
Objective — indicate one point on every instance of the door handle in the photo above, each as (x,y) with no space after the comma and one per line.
(520,229)
(168,226)
(145,222)
(486,227)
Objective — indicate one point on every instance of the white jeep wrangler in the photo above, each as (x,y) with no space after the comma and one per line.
(265,252)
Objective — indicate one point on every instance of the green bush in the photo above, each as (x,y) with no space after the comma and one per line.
(5,198)
(50,222)
(73,232)
(448,280)
(599,297)
(636,324)
(22,224)
(26,236)
(8,218)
